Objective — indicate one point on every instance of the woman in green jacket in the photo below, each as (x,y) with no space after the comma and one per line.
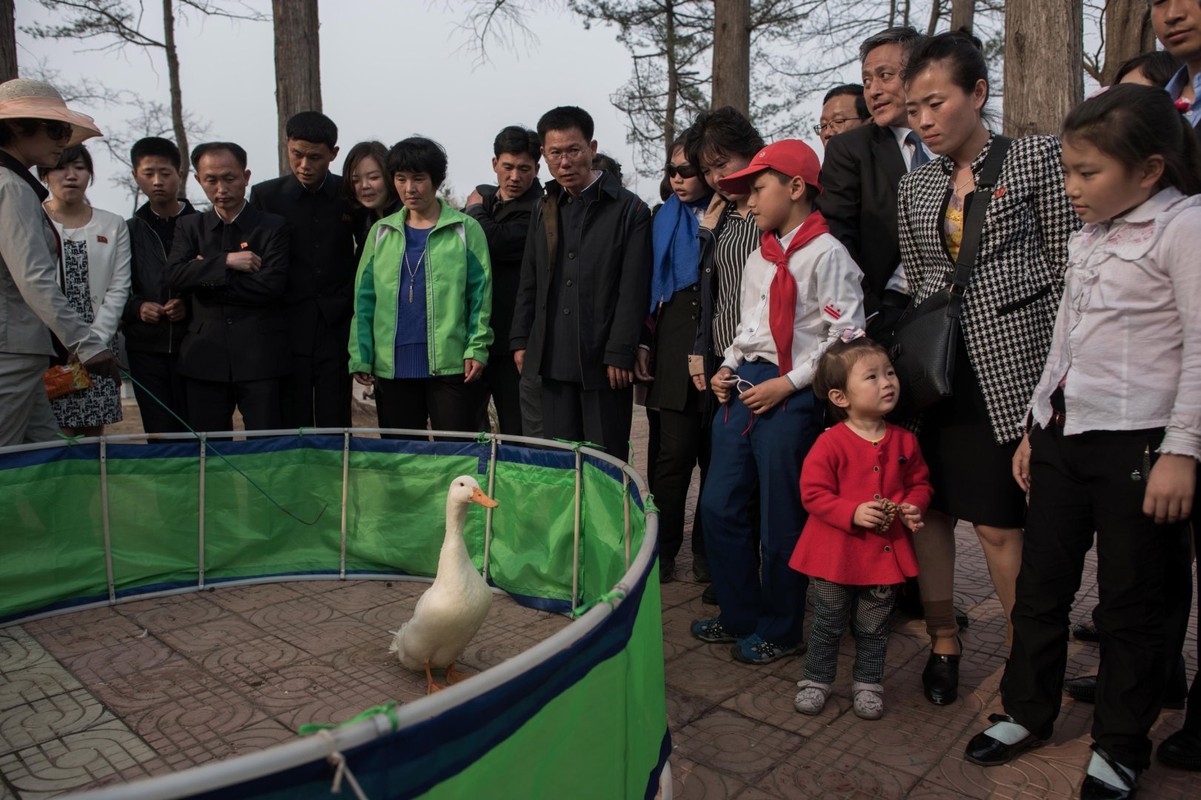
(423,298)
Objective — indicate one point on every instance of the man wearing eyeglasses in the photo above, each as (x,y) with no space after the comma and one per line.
(843,109)
(584,290)
(861,172)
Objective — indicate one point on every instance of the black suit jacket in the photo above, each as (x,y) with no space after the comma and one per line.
(321,259)
(860,175)
(238,331)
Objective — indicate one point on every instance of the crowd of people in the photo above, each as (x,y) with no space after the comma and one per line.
(753,308)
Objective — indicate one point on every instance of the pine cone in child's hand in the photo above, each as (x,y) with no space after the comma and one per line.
(891,510)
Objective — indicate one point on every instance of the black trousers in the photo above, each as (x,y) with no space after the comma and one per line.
(1192,716)
(158,374)
(504,382)
(317,393)
(602,416)
(211,404)
(445,401)
(684,443)
(1080,484)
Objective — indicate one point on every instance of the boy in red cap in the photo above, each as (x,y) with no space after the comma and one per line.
(799,290)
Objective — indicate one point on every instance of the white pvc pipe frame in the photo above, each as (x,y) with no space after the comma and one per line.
(225,774)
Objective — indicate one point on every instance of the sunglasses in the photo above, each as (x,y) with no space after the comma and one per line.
(58,131)
(683,170)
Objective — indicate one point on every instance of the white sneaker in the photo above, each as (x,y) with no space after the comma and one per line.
(868,700)
(811,698)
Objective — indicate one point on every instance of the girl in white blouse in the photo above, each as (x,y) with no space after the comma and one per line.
(94,274)
(1115,436)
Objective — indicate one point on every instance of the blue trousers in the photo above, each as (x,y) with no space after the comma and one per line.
(759,592)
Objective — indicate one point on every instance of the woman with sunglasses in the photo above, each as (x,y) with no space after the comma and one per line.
(671,331)
(95,277)
(35,127)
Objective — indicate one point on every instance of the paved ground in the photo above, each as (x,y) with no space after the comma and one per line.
(157,685)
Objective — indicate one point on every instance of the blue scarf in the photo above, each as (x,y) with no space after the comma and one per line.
(676,249)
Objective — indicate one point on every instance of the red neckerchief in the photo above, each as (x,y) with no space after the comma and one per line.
(782,300)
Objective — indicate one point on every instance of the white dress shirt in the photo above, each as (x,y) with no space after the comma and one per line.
(1127,341)
(829,299)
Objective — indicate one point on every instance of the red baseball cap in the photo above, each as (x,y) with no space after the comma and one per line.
(792,157)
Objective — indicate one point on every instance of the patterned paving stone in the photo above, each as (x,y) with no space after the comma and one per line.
(833,774)
(83,631)
(195,640)
(128,659)
(74,761)
(735,745)
(692,781)
(247,599)
(166,614)
(175,681)
(47,718)
(27,672)
(704,674)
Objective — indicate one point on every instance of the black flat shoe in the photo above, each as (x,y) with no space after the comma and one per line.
(989,752)
(1085,632)
(1097,789)
(940,678)
(709,596)
(667,571)
(1084,690)
(1181,750)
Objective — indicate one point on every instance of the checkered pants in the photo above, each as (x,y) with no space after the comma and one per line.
(865,609)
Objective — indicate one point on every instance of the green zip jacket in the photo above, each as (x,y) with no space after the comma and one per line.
(458,295)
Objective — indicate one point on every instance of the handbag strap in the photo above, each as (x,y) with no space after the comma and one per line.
(990,172)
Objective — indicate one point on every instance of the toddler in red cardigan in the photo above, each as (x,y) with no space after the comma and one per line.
(865,487)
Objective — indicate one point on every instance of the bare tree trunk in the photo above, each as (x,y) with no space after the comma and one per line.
(1044,58)
(8,40)
(732,54)
(297,64)
(177,123)
(892,13)
(935,15)
(963,14)
(905,13)
(673,76)
(1128,32)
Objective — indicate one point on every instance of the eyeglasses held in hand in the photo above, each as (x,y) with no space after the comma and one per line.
(740,384)
(683,170)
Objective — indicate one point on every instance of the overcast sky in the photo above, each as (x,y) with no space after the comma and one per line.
(389,70)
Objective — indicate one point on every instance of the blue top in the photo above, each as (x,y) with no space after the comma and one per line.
(412,356)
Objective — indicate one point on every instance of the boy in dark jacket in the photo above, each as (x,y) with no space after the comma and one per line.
(154,317)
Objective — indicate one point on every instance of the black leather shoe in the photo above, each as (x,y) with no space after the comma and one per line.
(1084,690)
(1181,750)
(700,569)
(1085,632)
(667,571)
(709,596)
(940,679)
(989,752)
(1097,789)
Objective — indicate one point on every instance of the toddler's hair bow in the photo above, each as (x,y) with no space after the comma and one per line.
(848,335)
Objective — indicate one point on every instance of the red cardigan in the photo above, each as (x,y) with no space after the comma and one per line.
(841,471)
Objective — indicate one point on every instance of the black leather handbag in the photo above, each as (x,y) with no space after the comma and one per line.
(926,339)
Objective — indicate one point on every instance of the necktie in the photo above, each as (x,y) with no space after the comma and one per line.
(919,156)
(782,298)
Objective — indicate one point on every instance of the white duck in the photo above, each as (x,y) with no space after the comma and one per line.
(450,612)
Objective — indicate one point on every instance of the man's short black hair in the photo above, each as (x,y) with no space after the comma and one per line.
(854,90)
(908,38)
(516,140)
(565,118)
(70,155)
(201,150)
(312,126)
(418,154)
(609,164)
(155,146)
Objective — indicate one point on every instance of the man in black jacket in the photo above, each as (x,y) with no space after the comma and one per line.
(504,212)
(862,170)
(233,261)
(585,286)
(321,269)
(154,317)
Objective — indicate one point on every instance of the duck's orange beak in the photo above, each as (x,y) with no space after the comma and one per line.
(478,496)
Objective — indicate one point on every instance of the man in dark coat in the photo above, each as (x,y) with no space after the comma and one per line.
(233,261)
(585,286)
(862,170)
(504,212)
(321,269)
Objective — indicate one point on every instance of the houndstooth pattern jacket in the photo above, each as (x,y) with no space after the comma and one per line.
(1010,304)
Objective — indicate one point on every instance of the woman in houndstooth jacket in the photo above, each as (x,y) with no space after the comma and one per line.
(1008,313)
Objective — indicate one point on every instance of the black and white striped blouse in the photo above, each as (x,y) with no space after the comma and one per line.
(739,238)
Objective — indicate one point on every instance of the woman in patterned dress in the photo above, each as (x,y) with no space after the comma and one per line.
(1008,313)
(94,275)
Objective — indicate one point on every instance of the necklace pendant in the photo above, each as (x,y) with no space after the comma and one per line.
(410,294)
